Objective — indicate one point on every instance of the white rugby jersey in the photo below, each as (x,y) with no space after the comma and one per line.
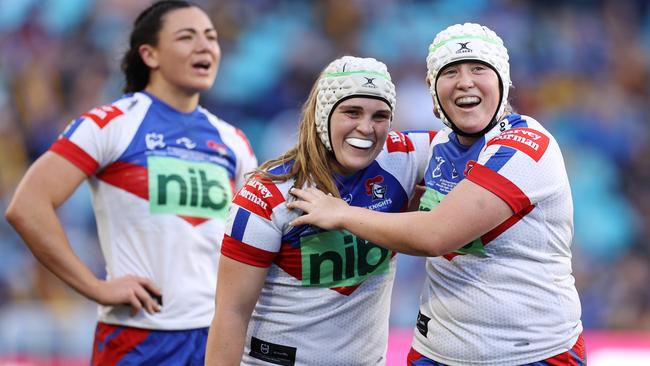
(326,297)
(161,183)
(508,298)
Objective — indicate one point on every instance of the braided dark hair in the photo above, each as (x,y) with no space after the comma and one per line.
(145,31)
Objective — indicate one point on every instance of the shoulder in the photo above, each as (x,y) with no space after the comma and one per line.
(128,107)
(227,130)
(222,126)
(407,141)
(522,133)
(261,196)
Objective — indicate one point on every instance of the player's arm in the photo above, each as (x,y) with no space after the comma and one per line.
(32,212)
(466,213)
(238,289)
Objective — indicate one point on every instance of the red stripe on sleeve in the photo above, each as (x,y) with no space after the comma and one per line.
(76,155)
(497,184)
(242,252)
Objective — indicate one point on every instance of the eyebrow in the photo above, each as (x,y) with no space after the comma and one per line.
(192,30)
(356,107)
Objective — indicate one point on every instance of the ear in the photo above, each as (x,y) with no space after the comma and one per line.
(149,56)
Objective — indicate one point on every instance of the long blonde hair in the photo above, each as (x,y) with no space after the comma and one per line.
(312,161)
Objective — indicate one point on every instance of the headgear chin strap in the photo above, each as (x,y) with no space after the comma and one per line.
(347,77)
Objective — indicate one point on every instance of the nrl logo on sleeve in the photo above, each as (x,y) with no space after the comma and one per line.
(531,142)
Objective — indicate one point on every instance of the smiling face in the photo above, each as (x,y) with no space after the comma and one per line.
(358,129)
(186,57)
(469,94)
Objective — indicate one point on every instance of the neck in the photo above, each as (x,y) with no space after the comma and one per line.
(178,99)
(466,141)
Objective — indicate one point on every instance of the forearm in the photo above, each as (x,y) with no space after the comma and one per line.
(238,288)
(226,338)
(409,232)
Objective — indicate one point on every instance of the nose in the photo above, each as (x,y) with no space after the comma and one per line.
(465,78)
(203,43)
(366,125)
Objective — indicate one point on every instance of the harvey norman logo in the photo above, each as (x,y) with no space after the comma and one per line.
(531,142)
(259,195)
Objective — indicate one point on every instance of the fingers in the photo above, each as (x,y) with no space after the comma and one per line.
(307,194)
(300,220)
(301,205)
(135,303)
(149,286)
(149,294)
(137,292)
(146,300)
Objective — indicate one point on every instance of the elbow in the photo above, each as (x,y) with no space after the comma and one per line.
(13,215)
(433,252)
(17,216)
(428,247)
(422,248)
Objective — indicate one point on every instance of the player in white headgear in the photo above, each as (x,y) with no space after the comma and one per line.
(346,78)
(296,295)
(469,42)
(497,222)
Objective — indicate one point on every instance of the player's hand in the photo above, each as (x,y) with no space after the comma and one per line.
(320,209)
(134,291)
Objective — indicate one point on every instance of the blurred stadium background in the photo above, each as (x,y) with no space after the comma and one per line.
(580,67)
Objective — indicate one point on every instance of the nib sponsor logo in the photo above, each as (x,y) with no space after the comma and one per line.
(336,259)
(188,188)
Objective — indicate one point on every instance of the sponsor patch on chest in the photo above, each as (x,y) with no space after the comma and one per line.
(187,188)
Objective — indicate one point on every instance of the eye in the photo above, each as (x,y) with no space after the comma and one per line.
(478,68)
(185,37)
(212,36)
(381,116)
(353,113)
(450,71)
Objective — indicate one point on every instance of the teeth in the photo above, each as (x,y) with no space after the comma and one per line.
(468,100)
(360,143)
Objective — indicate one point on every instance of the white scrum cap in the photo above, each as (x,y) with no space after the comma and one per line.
(468,41)
(349,77)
